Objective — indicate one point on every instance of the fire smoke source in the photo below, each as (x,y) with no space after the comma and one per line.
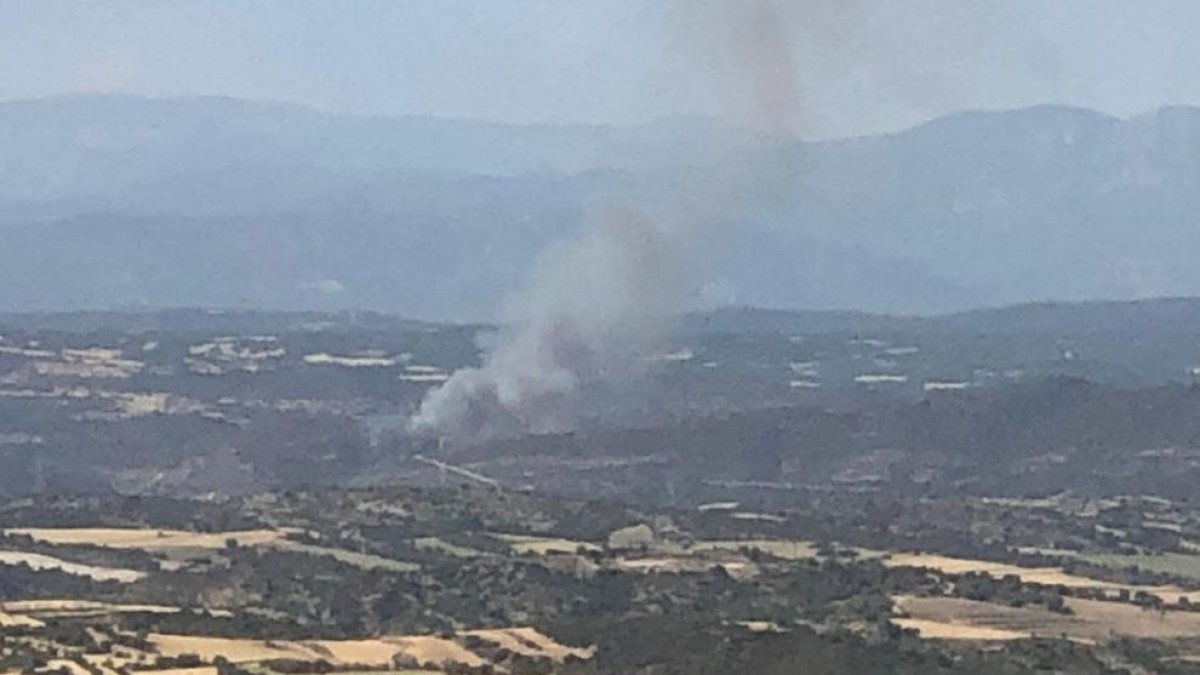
(595,307)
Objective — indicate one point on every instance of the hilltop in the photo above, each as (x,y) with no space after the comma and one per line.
(121,200)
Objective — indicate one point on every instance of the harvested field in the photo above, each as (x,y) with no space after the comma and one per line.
(401,671)
(529,642)
(149,539)
(365,561)
(785,550)
(121,658)
(436,544)
(67,666)
(758,517)
(1047,576)
(761,626)
(183,543)
(38,561)
(50,609)
(1123,619)
(18,621)
(366,652)
(428,651)
(1090,621)
(949,565)
(236,650)
(202,670)
(529,545)
(671,565)
(71,607)
(940,630)
(436,651)
(739,569)
(372,653)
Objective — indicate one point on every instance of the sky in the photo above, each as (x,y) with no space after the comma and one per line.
(858,66)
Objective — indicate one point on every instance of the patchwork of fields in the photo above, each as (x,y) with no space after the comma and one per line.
(1089,621)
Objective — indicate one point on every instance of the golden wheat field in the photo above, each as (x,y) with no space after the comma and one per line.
(18,621)
(942,630)
(182,543)
(148,539)
(381,652)
(373,653)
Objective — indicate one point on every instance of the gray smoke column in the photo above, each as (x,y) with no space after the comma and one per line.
(594,308)
(744,49)
(597,306)
(749,53)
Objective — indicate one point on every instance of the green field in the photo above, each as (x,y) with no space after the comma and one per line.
(1177,564)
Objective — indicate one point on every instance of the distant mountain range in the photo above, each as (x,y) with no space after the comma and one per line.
(115,201)
(1172,316)
(1144,318)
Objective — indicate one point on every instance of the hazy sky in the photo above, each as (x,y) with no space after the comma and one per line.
(859,65)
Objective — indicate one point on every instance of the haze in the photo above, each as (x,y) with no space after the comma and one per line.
(415,157)
(599,337)
(608,61)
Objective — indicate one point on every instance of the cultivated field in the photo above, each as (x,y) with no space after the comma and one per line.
(38,561)
(529,545)
(529,642)
(78,608)
(785,550)
(1047,576)
(429,651)
(436,544)
(18,621)
(149,539)
(202,670)
(942,630)
(365,561)
(1178,564)
(1089,621)
(180,543)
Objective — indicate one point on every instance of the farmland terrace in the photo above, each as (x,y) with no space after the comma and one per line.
(202,493)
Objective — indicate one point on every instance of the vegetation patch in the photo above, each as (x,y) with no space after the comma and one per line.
(38,561)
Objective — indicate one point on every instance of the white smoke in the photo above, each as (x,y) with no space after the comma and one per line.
(598,305)
(595,307)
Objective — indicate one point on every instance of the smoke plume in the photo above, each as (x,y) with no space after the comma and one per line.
(598,306)
(745,50)
(595,307)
